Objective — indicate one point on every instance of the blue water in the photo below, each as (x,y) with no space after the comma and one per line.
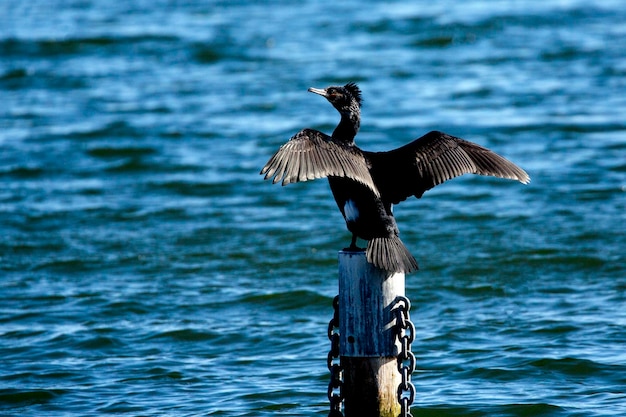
(146,269)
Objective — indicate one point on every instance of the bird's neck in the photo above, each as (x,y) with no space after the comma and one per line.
(349,125)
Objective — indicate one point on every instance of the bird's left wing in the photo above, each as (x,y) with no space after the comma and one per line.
(432,159)
(311,154)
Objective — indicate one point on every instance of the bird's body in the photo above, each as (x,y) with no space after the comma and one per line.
(367,184)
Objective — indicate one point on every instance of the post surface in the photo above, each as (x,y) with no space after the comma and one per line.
(367,343)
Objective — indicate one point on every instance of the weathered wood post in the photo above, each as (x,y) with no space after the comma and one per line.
(368,349)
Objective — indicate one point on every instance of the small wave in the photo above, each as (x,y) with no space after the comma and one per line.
(15,47)
(67,264)
(156,374)
(205,54)
(116,152)
(437,41)
(117,129)
(186,335)
(22,171)
(99,343)
(130,165)
(574,366)
(14,74)
(565,127)
(557,257)
(535,410)
(21,78)
(288,300)
(121,407)
(192,189)
(27,397)
(511,410)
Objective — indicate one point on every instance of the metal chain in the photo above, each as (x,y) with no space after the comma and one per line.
(335,387)
(405,333)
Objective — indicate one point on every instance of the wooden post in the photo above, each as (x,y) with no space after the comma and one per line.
(367,344)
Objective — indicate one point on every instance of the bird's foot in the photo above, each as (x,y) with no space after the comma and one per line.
(353,248)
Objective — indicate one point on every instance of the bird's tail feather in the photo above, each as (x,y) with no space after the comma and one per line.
(390,254)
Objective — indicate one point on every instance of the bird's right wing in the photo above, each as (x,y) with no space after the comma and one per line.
(311,154)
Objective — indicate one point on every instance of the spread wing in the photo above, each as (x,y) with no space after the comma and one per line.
(432,159)
(311,154)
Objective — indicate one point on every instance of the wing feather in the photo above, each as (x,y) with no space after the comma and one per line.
(310,154)
(431,160)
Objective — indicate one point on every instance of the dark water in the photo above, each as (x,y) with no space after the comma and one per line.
(147,270)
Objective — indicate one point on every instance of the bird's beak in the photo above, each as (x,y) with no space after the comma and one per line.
(320,91)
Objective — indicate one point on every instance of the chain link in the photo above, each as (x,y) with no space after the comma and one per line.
(335,387)
(405,333)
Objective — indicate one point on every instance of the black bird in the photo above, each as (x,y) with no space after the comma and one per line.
(367,184)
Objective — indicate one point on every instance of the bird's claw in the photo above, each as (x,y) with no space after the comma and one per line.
(353,248)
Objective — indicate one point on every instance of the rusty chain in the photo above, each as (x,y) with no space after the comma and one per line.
(405,334)
(335,387)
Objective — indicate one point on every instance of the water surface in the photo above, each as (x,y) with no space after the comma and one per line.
(147,270)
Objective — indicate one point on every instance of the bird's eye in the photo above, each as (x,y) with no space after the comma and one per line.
(334,94)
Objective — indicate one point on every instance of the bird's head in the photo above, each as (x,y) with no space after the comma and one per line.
(342,98)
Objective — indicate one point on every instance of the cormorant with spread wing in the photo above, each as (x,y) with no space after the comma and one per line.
(367,184)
